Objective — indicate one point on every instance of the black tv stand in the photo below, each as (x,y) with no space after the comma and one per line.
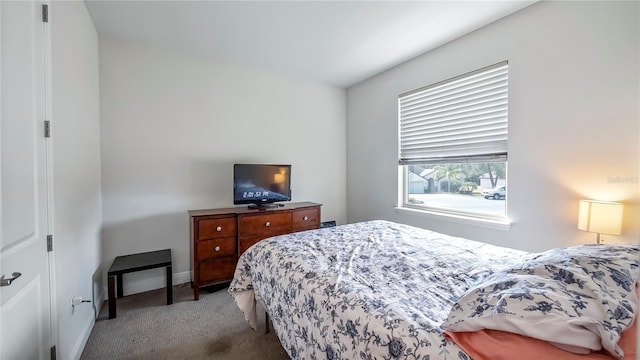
(262,206)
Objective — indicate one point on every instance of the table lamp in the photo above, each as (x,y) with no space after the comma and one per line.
(600,217)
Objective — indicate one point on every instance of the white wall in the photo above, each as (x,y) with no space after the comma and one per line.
(77,206)
(573,122)
(172,128)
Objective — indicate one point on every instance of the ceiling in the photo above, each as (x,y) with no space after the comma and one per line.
(335,42)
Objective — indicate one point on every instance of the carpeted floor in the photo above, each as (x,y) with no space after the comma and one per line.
(211,328)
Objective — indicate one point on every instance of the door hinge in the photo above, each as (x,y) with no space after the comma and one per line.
(45,13)
(49,243)
(47,128)
(53,352)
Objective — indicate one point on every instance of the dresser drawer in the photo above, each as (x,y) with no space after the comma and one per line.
(306,219)
(211,228)
(211,249)
(217,270)
(245,242)
(265,225)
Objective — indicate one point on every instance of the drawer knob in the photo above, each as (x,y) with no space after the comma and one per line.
(305,218)
(217,248)
(219,228)
(267,224)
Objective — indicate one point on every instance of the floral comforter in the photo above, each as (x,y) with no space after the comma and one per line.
(370,290)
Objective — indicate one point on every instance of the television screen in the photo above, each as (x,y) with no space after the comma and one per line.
(261,184)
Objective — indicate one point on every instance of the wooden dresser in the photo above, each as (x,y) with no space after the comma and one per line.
(220,236)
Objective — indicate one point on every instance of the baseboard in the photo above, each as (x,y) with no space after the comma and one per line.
(82,340)
(154,283)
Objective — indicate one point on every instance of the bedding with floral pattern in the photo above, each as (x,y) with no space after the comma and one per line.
(382,290)
(371,290)
(579,299)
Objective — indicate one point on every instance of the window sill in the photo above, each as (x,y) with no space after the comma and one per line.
(499,224)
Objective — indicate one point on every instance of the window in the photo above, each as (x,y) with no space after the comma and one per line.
(453,144)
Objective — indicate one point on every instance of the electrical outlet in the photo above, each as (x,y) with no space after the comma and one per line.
(77,300)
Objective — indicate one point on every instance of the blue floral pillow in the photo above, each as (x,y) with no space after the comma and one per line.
(578,298)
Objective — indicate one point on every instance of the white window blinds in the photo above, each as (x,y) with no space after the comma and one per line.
(456,120)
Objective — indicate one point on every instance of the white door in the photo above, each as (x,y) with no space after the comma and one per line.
(25,331)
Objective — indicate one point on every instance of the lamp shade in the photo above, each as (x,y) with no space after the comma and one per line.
(602,217)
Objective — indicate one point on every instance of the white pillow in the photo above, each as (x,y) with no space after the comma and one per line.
(578,298)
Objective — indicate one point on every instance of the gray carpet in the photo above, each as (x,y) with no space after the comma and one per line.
(211,328)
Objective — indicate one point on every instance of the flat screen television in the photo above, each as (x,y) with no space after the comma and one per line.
(261,185)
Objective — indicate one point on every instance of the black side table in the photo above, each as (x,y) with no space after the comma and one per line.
(137,262)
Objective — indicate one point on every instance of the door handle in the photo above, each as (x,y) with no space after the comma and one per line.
(7,282)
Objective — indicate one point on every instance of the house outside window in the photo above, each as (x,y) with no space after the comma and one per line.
(453,145)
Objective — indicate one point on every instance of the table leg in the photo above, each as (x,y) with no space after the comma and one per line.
(119,284)
(266,322)
(112,297)
(169,285)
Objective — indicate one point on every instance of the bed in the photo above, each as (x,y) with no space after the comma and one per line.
(382,290)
